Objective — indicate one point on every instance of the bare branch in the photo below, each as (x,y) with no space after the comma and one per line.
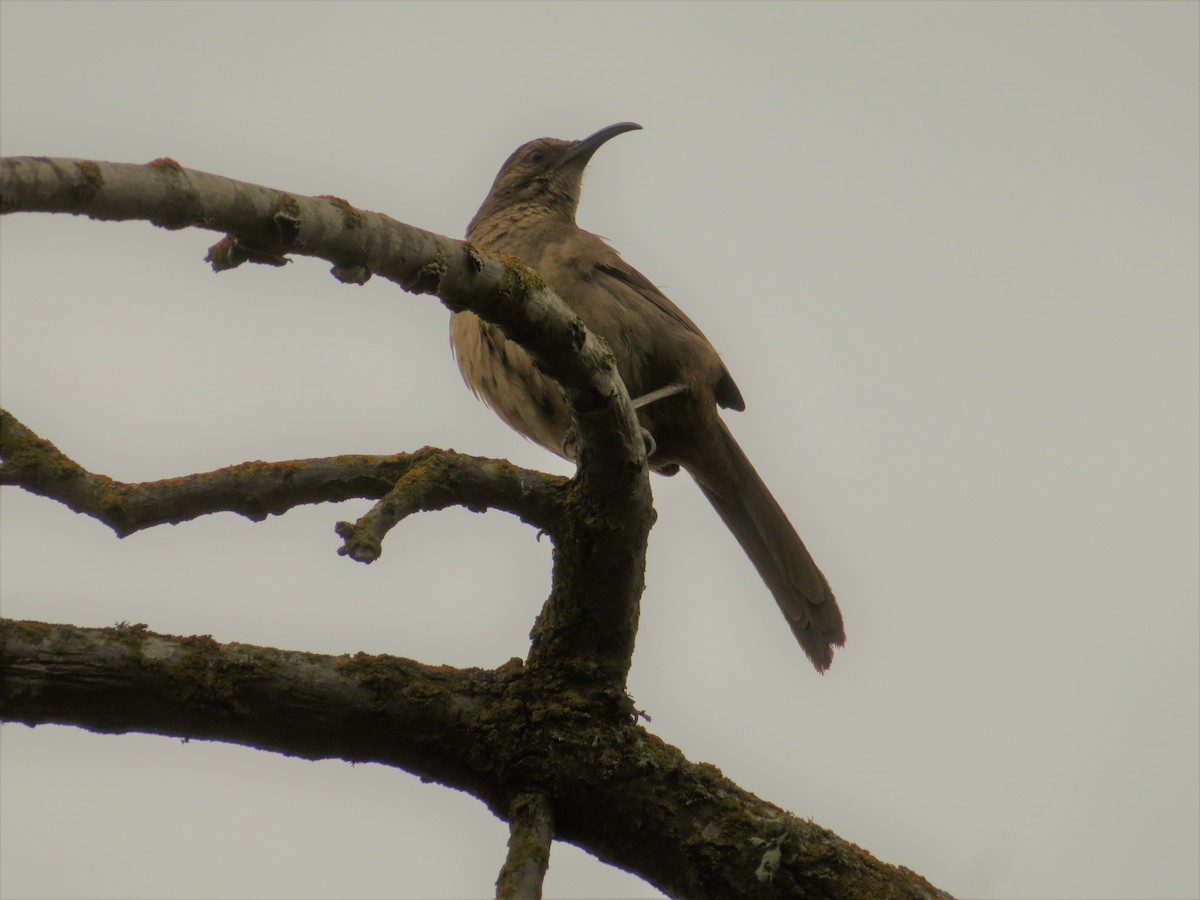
(437,479)
(530,832)
(258,489)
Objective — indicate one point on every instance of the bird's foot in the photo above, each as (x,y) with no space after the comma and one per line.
(662,393)
(570,445)
(569,439)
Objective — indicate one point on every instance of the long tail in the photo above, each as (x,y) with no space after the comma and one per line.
(762,528)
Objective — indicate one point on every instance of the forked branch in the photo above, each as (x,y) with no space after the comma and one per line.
(432,479)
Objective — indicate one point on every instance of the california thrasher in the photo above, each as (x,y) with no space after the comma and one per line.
(662,358)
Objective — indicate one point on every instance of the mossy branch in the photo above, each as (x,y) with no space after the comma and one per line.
(439,478)
(619,792)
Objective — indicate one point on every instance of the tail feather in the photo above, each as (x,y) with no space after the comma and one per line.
(747,508)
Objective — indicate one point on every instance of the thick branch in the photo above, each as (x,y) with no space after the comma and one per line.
(619,792)
(259,489)
(358,708)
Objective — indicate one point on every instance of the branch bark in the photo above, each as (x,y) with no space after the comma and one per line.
(432,479)
(530,833)
(619,792)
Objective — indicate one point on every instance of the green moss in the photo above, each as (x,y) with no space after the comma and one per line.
(92,172)
(475,256)
(351,217)
(32,631)
(288,205)
(34,457)
(165,164)
(93,180)
(519,281)
(286,217)
(124,633)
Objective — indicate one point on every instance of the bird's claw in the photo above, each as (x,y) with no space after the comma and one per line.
(650,443)
(570,441)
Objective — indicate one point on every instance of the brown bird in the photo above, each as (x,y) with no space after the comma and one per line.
(668,366)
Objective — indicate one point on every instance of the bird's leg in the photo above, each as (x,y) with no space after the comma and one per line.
(662,393)
(645,400)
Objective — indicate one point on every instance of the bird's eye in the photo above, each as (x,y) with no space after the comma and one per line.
(537,155)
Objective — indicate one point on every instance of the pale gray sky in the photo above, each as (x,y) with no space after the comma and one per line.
(949,251)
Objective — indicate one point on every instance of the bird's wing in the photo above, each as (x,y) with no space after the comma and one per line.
(614,267)
(610,265)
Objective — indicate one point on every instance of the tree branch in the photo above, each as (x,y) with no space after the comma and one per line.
(357,708)
(530,833)
(437,478)
(619,792)
(265,224)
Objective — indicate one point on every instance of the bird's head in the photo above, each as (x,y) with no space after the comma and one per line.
(546,172)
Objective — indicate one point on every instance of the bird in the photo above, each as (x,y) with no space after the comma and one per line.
(676,377)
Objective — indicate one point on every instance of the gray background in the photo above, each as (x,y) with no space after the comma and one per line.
(949,251)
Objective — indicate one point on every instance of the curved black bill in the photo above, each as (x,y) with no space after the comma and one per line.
(583,150)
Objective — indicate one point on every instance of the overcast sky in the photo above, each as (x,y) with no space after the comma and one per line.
(948,251)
